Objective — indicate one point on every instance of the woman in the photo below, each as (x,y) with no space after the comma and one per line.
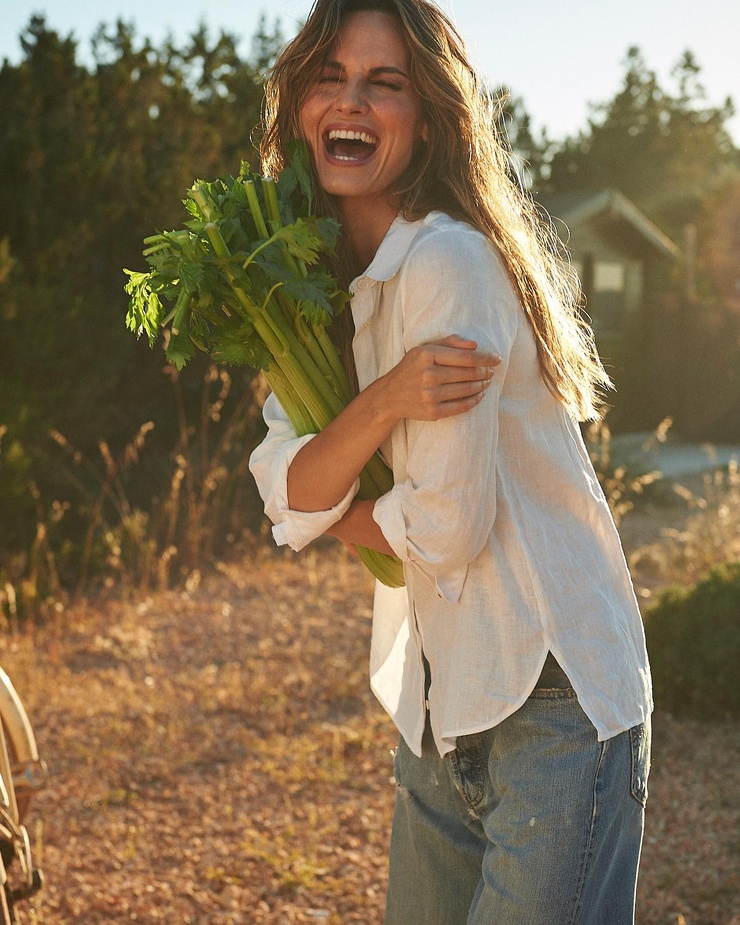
(513,663)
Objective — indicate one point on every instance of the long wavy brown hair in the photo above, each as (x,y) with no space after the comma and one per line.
(462,170)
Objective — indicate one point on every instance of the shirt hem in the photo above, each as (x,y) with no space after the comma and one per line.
(448,740)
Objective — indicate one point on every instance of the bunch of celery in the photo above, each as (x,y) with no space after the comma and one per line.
(242,282)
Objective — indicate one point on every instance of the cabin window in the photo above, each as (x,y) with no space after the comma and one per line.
(604,283)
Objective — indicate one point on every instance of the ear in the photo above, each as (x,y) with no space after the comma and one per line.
(424,133)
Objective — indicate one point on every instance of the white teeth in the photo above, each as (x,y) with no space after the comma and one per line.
(343,133)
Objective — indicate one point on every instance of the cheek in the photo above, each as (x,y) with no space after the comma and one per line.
(308,118)
(410,125)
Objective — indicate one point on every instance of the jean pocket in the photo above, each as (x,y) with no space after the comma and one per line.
(640,751)
(468,765)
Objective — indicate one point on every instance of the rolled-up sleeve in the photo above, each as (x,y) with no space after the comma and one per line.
(439,516)
(269,464)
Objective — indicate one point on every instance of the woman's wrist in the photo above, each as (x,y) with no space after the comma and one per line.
(382,413)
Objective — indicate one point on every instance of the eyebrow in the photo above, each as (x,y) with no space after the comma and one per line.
(373,72)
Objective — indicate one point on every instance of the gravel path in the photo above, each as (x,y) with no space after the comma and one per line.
(216,757)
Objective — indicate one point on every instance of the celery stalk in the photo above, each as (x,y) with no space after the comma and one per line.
(243,308)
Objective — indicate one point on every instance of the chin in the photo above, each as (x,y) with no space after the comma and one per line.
(343,187)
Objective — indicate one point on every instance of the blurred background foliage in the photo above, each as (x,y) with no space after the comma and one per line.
(92,159)
(113,467)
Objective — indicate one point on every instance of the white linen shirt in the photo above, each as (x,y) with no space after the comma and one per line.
(508,545)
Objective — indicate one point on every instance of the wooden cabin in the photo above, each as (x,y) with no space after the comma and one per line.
(619,255)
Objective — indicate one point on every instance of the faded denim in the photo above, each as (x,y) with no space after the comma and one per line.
(533,822)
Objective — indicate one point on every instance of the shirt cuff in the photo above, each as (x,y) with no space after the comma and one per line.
(298,528)
(388,515)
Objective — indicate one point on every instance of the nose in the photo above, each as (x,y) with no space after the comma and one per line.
(350,97)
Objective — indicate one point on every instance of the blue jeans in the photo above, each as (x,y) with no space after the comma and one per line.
(533,822)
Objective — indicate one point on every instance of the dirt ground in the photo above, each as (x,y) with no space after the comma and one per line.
(216,757)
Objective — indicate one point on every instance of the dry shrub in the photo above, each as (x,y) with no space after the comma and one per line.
(693,637)
(107,533)
(621,488)
(709,536)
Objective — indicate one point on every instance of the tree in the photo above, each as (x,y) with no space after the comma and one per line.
(662,150)
(529,152)
(91,160)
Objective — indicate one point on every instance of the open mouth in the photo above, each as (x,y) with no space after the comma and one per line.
(347,145)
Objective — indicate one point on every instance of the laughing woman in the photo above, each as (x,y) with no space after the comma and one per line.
(513,663)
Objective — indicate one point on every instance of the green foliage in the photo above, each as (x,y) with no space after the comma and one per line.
(693,638)
(90,158)
(662,149)
(529,154)
(663,146)
(224,278)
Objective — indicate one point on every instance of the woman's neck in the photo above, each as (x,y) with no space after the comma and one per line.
(365,227)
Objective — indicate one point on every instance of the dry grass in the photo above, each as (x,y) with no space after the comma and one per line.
(677,541)
(216,757)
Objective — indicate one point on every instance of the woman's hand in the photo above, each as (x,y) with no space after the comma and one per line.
(431,382)
(439,380)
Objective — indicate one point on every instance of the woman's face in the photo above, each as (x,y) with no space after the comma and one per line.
(363,118)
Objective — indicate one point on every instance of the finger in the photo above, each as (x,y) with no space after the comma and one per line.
(456,340)
(442,375)
(449,409)
(460,391)
(437,376)
(444,355)
(446,400)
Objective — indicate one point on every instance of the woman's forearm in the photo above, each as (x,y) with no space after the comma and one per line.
(357,528)
(324,470)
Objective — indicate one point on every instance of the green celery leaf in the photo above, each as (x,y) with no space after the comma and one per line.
(315,294)
(207,307)
(299,164)
(191,274)
(294,187)
(239,346)
(231,229)
(145,309)
(301,240)
(191,208)
(327,230)
(200,333)
(180,349)
(271,261)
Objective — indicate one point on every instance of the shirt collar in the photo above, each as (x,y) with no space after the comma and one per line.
(392,251)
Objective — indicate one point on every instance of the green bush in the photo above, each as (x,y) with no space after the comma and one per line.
(693,638)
